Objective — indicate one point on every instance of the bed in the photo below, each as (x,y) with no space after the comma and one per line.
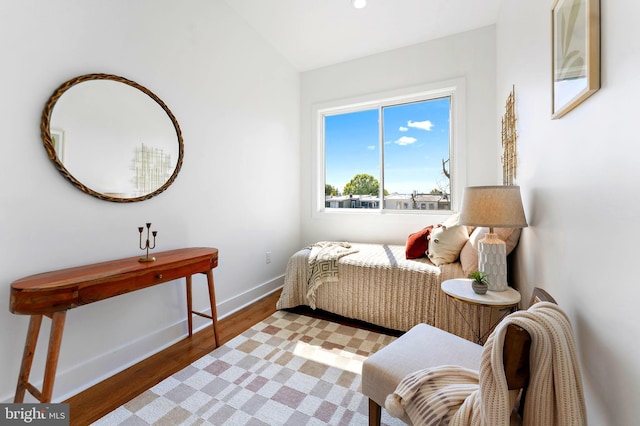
(377,284)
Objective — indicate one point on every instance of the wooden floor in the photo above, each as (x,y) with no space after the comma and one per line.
(104,397)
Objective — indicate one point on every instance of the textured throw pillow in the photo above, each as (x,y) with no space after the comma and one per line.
(469,253)
(417,243)
(446,242)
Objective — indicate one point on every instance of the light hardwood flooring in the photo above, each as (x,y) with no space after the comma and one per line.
(104,397)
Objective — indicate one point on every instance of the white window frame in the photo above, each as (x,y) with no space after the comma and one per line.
(457,160)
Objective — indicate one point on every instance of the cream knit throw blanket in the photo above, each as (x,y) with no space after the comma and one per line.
(457,396)
(323,265)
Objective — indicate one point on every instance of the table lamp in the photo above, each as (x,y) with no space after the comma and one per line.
(493,207)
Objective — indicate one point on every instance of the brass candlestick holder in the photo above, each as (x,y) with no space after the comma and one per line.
(147,246)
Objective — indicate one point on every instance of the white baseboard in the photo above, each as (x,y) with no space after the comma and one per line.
(245,299)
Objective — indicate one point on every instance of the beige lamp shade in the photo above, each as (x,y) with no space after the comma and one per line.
(492,207)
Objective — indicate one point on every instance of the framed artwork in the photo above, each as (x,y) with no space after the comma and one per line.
(575,53)
(57,136)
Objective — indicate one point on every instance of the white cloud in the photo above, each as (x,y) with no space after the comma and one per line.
(403,129)
(424,125)
(405,140)
(371,147)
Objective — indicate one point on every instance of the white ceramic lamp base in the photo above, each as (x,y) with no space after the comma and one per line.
(492,259)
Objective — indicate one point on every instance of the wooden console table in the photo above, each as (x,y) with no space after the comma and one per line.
(53,293)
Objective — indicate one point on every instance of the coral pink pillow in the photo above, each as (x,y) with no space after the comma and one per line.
(417,243)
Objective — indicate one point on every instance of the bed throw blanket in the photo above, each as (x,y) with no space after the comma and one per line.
(323,265)
(452,395)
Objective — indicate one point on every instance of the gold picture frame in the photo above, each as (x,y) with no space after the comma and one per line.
(575,53)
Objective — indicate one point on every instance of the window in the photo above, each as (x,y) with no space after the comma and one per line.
(396,153)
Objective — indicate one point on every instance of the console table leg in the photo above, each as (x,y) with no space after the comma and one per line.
(55,339)
(189,305)
(212,301)
(53,353)
(27,357)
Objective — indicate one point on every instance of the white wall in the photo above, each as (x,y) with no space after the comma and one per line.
(579,177)
(238,107)
(237,102)
(469,56)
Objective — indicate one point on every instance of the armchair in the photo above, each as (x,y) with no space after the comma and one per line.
(425,346)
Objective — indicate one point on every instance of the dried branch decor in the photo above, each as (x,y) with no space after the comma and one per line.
(509,137)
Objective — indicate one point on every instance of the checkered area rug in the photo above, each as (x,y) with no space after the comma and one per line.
(289,369)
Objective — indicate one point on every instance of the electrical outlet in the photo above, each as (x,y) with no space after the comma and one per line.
(268,257)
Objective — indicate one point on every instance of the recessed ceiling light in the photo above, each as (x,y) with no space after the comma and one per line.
(359,4)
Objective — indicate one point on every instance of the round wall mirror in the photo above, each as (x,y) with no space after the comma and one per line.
(112,138)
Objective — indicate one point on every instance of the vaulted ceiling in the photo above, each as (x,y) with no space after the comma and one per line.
(314,33)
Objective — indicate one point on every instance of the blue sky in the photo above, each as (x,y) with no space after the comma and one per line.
(416,139)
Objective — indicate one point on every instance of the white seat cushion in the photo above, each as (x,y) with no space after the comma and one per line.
(421,347)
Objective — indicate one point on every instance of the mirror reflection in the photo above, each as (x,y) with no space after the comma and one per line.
(112,138)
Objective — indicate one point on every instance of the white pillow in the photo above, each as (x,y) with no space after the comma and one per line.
(446,241)
(469,252)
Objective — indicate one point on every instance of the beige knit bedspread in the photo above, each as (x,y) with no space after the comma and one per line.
(380,286)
